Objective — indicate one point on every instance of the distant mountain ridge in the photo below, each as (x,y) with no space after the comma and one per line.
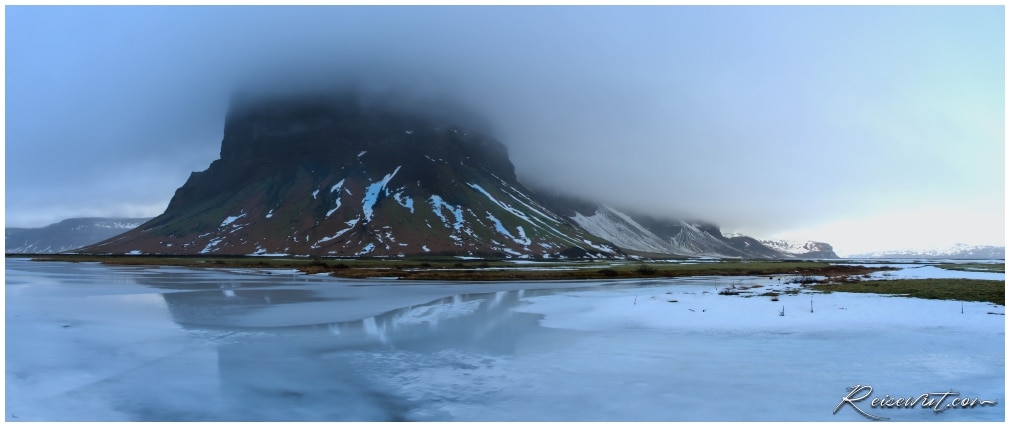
(69,234)
(657,236)
(957,251)
(807,249)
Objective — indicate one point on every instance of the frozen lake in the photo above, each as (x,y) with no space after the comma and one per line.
(86,342)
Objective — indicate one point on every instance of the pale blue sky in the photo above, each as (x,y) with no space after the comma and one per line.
(866,127)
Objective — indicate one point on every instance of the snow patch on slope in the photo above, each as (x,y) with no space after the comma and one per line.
(404,201)
(210,246)
(372,194)
(335,189)
(350,225)
(231,219)
(437,204)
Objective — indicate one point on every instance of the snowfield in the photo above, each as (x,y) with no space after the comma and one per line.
(87,342)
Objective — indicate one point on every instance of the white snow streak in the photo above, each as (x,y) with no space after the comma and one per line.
(438,204)
(498,226)
(210,246)
(335,188)
(231,219)
(368,248)
(404,201)
(350,225)
(372,194)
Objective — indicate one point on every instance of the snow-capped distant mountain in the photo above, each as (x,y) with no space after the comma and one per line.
(807,249)
(331,176)
(957,251)
(66,235)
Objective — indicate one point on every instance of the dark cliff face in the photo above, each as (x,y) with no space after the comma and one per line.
(333,175)
(311,129)
(317,132)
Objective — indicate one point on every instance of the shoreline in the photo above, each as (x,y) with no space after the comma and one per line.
(455,269)
(818,276)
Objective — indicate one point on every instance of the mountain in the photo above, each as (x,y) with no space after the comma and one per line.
(808,249)
(957,251)
(66,235)
(648,235)
(337,175)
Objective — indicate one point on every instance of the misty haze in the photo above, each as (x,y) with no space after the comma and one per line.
(860,127)
(363,213)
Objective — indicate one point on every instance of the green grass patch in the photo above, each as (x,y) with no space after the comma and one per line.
(945,289)
(975,266)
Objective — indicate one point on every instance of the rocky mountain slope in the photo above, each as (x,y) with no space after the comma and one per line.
(337,176)
(66,235)
(654,236)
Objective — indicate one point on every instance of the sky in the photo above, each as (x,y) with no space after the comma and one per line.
(870,128)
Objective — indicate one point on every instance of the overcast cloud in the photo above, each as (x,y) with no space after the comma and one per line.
(801,122)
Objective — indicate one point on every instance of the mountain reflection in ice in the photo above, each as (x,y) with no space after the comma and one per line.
(89,342)
(328,371)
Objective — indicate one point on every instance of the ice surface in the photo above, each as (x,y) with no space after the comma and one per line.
(932,272)
(88,342)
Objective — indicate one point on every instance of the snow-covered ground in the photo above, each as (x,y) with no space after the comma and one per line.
(86,342)
(926,271)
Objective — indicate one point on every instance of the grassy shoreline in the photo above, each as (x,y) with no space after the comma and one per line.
(993,291)
(820,276)
(448,268)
